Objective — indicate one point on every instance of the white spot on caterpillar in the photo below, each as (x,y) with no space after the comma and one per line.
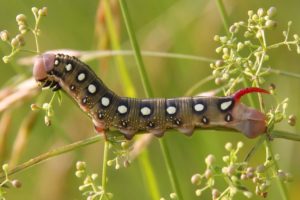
(105,101)
(68,67)
(225,105)
(145,111)
(171,110)
(122,109)
(92,88)
(56,62)
(81,77)
(199,107)
(228,118)
(205,120)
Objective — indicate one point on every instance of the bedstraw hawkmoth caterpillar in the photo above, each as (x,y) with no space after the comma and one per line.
(132,115)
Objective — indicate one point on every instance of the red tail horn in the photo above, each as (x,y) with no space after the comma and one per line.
(238,94)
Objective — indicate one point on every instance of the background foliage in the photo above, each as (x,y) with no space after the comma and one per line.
(185,26)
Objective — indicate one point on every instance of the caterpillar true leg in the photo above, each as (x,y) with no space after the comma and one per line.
(131,115)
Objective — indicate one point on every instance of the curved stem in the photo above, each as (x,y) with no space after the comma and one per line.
(50,154)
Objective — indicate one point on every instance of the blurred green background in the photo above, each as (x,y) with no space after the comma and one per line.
(185,26)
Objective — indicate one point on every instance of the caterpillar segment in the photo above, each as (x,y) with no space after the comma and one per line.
(155,115)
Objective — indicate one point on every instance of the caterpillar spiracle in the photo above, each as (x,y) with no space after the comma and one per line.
(154,115)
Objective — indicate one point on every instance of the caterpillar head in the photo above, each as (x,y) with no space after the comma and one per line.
(42,65)
(249,121)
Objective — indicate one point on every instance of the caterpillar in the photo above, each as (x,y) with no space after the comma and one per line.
(155,115)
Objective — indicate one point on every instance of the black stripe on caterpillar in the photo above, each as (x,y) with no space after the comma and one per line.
(156,115)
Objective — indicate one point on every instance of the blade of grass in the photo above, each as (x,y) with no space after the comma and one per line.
(53,153)
(129,89)
(149,93)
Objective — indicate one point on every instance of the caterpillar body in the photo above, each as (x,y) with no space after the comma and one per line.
(154,115)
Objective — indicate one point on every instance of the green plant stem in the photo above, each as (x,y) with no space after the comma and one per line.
(50,154)
(149,93)
(224,15)
(136,48)
(285,135)
(124,74)
(129,89)
(275,168)
(104,165)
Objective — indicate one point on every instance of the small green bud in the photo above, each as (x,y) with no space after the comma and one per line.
(258,35)
(196,179)
(14,42)
(110,163)
(244,177)
(215,73)
(250,169)
(198,192)
(240,46)
(46,106)
(296,36)
(4,35)
(218,81)
(233,29)
(21,39)
(43,11)
(248,194)
(231,170)
(225,76)
(263,187)
(290,23)
(6,59)
(47,120)
(23,29)
(272,12)
(219,49)
(212,65)
(126,163)
(215,193)
(255,180)
(298,49)
(240,144)
(80,165)
(260,12)
(117,166)
(208,173)
(79,173)
(292,120)
(219,63)
(210,159)
(250,13)
(254,17)
(21,18)
(83,187)
(216,38)
(124,145)
(94,176)
(34,10)
(271,24)
(34,107)
(173,195)
(223,39)
(16,183)
(226,159)
(5,167)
